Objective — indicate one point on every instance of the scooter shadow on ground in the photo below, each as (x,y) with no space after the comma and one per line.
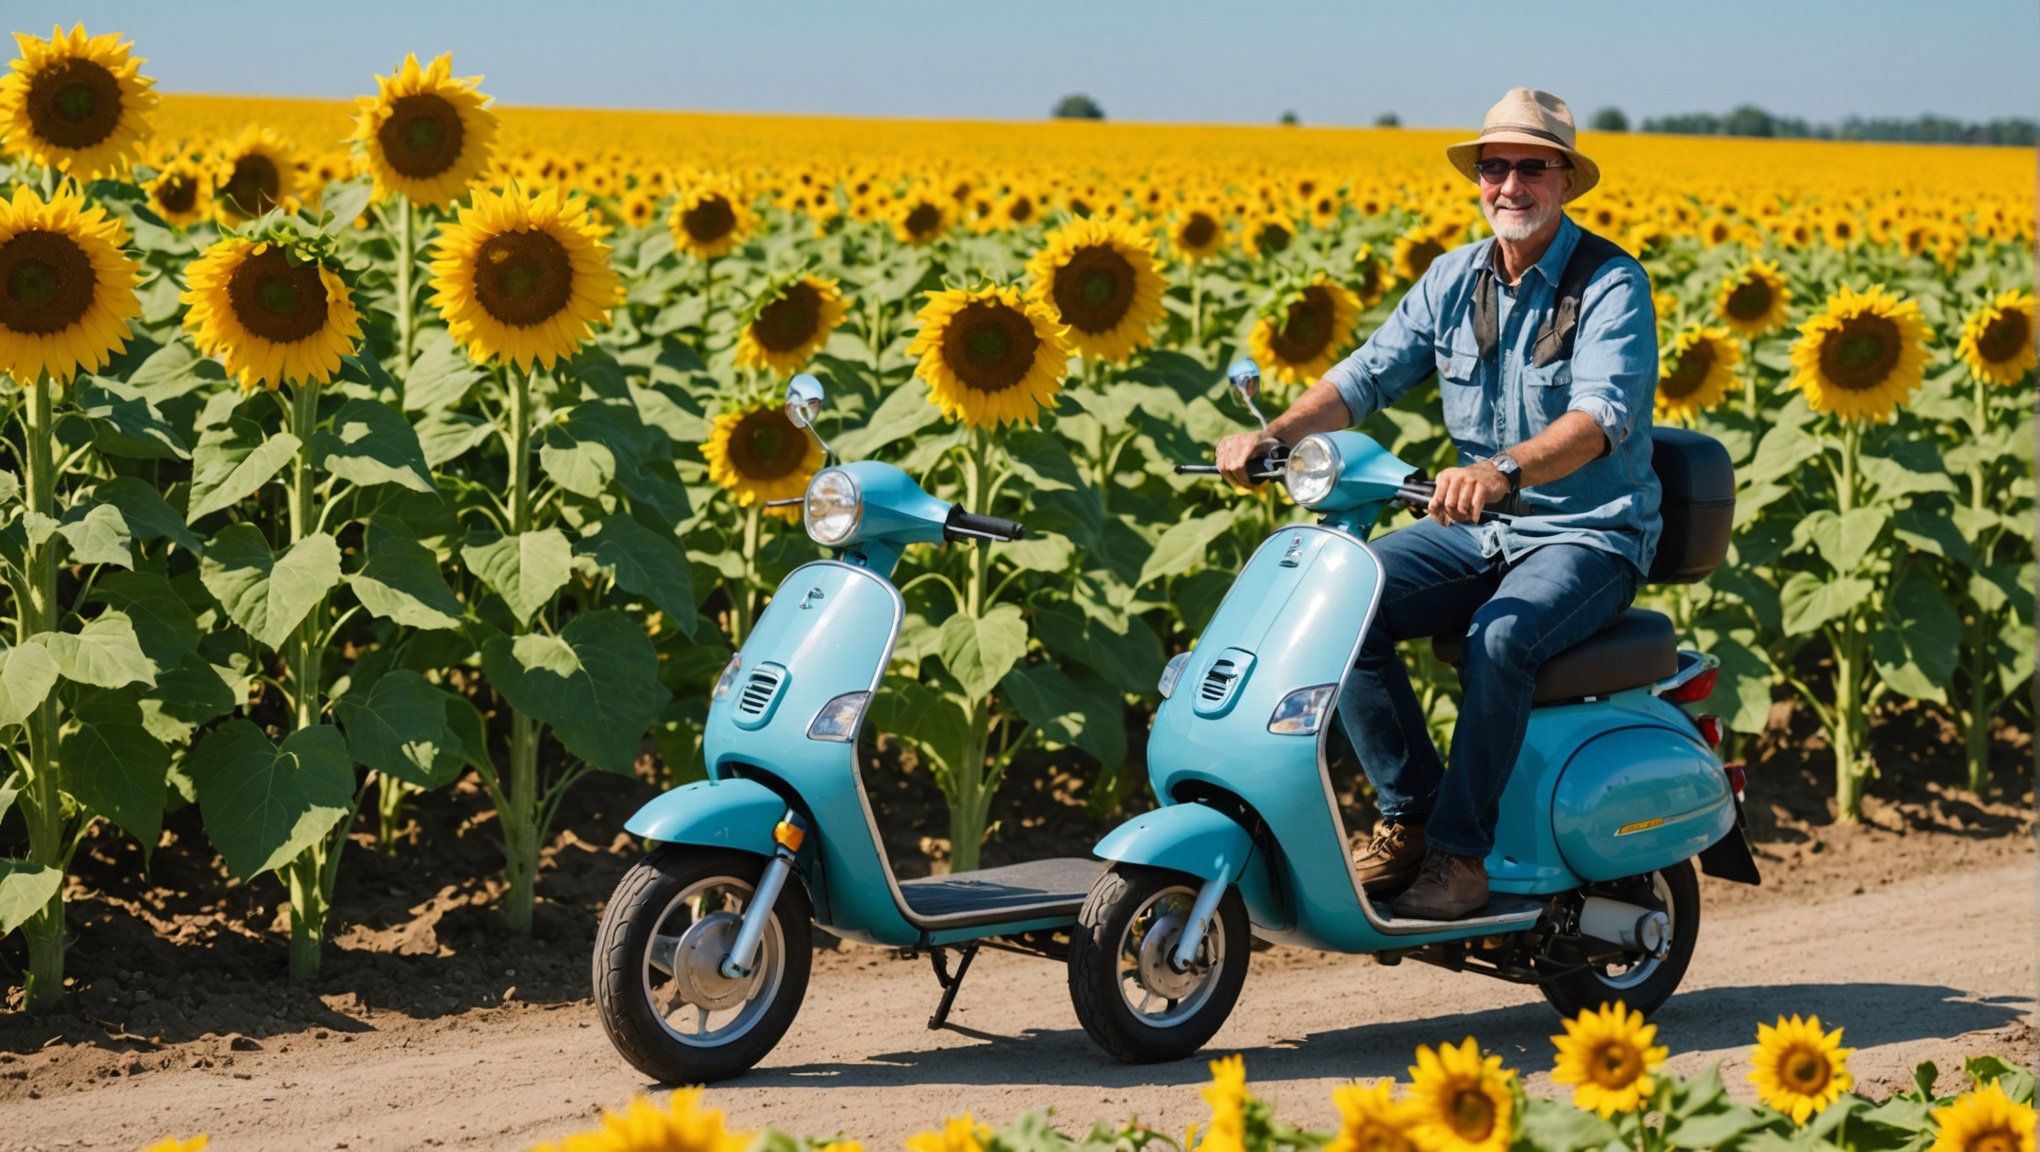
(1722,1019)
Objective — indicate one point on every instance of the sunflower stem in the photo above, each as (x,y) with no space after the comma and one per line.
(518,809)
(1980,629)
(311,874)
(407,259)
(42,800)
(740,602)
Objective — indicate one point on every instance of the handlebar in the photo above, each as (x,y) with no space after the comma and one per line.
(1415,494)
(963,525)
(1264,466)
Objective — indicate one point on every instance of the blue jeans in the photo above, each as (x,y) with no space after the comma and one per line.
(1514,617)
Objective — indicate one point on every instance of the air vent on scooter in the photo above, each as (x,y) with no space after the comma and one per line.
(760,693)
(1220,684)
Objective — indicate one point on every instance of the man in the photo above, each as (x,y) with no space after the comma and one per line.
(1549,399)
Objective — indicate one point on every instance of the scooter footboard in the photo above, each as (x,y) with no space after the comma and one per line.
(1199,840)
(729,813)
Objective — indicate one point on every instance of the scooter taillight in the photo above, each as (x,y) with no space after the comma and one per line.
(1736,778)
(1695,690)
(1710,729)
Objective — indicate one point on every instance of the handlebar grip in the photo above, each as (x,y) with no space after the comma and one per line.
(1416,494)
(1266,466)
(963,525)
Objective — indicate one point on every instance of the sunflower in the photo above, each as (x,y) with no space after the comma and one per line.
(1314,325)
(173,1144)
(1371,1120)
(1997,340)
(1985,1120)
(254,174)
(685,1126)
(1099,279)
(1753,301)
(791,321)
(1197,232)
(1608,1057)
(957,1134)
(425,135)
(181,193)
(1370,277)
(989,356)
(67,291)
(1695,372)
(709,219)
(1227,1095)
(1862,355)
(272,316)
(1462,1101)
(522,277)
(1798,1070)
(1417,248)
(921,216)
(760,455)
(1267,233)
(76,104)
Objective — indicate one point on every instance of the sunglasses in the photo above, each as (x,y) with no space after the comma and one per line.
(1528,171)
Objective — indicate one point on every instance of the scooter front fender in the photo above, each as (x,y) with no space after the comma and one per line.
(1182,838)
(728,813)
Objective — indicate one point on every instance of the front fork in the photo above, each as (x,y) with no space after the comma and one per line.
(1200,920)
(788,835)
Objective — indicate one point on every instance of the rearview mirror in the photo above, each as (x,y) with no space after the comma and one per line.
(803,400)
(1244,377)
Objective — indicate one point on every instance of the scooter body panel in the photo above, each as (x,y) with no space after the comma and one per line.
(728,813)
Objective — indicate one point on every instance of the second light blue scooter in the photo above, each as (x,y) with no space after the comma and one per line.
(1617,790)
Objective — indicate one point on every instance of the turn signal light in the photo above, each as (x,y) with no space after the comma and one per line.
(1736,778)
(1695,690)
(789,835)
(1710,729)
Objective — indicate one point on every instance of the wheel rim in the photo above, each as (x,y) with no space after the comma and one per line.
(1622,977)
(1153,991)
(682,965)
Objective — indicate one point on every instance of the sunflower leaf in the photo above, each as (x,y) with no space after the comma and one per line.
(105,652)
(596,684)
(398,727)
(232,461)
(372,443)
(1917,649)
(27,674)
(1184,546)
(1065,710)
(164,624)
(979,651)
(121,770)
(186,695)
(1809,601)
(124,423)
(268,593)
(263,804)
(98,534)
(25,889)
(148,515)
(525,570)
(400,580)
(441,375)
(644,562)
(342,202)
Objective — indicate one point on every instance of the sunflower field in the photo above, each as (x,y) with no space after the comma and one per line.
(349,451)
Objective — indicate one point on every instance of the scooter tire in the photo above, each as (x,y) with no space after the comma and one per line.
(1120,894)
(1577,992)
(622,996)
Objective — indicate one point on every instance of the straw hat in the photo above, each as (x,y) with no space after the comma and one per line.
(1528,116)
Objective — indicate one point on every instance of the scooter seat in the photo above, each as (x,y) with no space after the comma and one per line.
(1639,648)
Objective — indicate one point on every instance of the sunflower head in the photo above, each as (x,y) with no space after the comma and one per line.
(1198,232)
(1267,233)
(710,217)
(1302,330)
(1997,339)
(1753,300)
(181,193)
(1798,1069)
(67,290)
(1985,1120)
(272,307)
(957,1134)
(922,216)
(252,175)
(1372,1120)
(1098,278)
(989,356)
(1418,247)
(759,455)
(76,103)
(1463,1101)
(1695,372)
(522,277)
(1607,1056)
(789,322)
(683,1126)
(1862,355)
(1370,277)
(425,134)
(173,1144)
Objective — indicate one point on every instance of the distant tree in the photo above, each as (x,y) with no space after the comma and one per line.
(1610,119)
(1388,120)
(1077,106)
(1749,120)
(1289,118)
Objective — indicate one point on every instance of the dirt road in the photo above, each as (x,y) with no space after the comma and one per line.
(1932,968)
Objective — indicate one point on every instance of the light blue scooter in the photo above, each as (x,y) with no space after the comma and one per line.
(1618,789)
(702,957)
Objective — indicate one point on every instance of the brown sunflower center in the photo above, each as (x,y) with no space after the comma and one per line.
(254,184)
(1689,371)
(1370,278)
(1271,237)
(46,283)
(1094,289)
(1995,1140)
(1471,1114)
(277,301)
(923,220)
(524,278)
(790,321)
(75,104)
(1198,230)
(989,345)
(1420,256)
(177,193)
(2006,337)
(1615,1065)
(709,220)
(1804,1070)
(1306,329)
(423,135)
(1860,354)
(766,446)
(1372,1137)
(1750,300)
(1020,210)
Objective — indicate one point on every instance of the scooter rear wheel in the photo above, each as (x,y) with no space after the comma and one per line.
(658,985)
(1127,995)
(1646,982)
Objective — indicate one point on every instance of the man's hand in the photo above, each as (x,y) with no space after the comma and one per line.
(1235,450)
(1463,492)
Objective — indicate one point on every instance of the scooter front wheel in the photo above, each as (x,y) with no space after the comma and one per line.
(1642,982)
(659,985)
(1128,994)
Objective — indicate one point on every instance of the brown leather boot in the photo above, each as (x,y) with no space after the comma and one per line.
(1449,888)
(1392,858)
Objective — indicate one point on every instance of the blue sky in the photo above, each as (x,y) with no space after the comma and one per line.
(1192,60)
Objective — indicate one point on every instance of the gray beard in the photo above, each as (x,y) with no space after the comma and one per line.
(1513,232)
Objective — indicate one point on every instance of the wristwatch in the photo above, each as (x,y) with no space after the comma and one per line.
(1507,466)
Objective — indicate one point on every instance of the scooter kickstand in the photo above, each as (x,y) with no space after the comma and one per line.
(940,958)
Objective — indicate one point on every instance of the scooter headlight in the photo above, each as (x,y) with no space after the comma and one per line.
(834,507)
(1172,672)
(1312,470)
(728,679)
(1302,712)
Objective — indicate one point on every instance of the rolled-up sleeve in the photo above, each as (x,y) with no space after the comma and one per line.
(1400,354)
(1615,352)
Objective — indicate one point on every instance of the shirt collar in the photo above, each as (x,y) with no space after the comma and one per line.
(1552,264)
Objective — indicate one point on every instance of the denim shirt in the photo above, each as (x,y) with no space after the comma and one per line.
(1611,502)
